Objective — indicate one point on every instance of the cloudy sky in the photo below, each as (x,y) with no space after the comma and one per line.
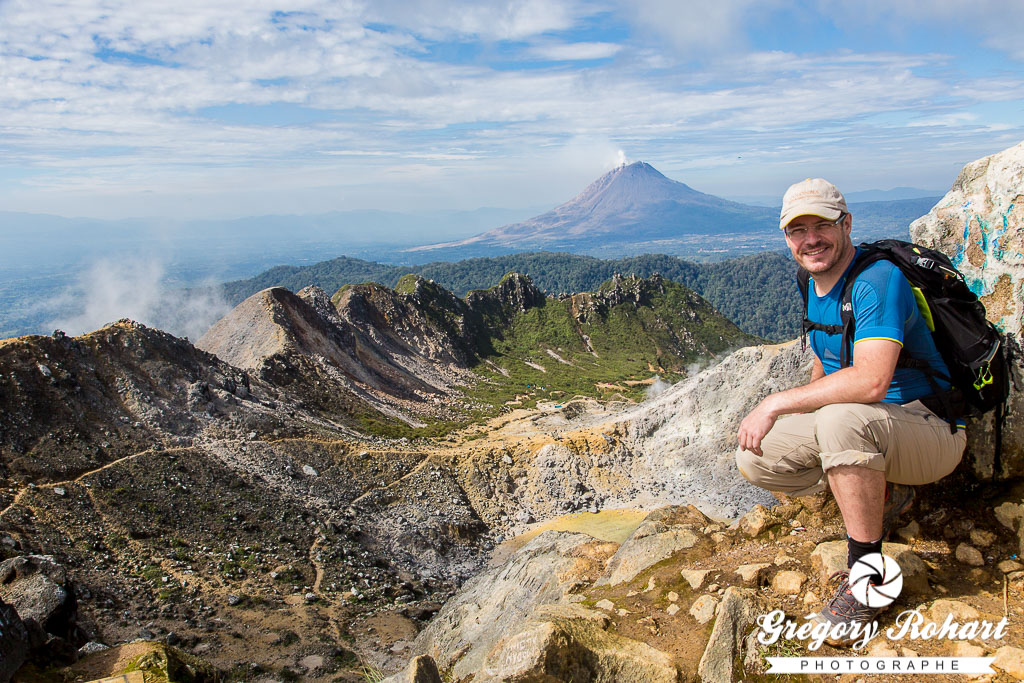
(214,108)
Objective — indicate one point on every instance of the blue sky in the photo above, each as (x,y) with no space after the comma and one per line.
(204,108)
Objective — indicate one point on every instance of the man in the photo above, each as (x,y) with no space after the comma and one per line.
(851,429)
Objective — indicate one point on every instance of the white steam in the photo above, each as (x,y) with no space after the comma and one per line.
(657,387)
(621,159)
(136,289)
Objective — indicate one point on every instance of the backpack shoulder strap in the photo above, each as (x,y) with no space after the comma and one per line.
(803,284)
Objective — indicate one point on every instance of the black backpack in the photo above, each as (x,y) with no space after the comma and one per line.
(973,349)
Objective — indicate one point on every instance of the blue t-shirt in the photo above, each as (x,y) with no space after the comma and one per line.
(884,307)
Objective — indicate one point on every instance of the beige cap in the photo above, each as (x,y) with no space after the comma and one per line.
(812,197)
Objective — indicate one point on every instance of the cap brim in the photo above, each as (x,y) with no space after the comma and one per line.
(808,210)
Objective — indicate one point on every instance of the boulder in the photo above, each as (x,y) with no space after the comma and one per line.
(758,521)
(788,582)
(420,670)
(498,601)
(1011,660)
(41,592)
(735,619)
(661,535)
(703,608)
(569,643)
(979,224)
(969,555)
(695,577)
(13,642)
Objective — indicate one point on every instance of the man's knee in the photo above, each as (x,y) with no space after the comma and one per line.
(793,481)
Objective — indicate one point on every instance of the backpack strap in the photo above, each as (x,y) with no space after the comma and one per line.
(803,284)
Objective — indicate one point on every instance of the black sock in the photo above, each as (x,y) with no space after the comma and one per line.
(858,549)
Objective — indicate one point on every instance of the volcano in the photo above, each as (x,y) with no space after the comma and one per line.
(631,203)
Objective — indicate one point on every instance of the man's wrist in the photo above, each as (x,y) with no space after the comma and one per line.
(771,405)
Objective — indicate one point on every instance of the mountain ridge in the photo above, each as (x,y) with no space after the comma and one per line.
(634,197)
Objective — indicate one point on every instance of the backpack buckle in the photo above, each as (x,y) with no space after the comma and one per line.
(984,377)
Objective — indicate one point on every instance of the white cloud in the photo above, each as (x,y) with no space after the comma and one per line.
(575,51)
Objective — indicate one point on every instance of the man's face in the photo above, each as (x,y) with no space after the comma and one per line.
(818,245)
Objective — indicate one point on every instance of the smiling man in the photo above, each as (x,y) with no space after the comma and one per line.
(864,431)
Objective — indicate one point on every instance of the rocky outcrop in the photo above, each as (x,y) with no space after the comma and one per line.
(662,534)
(497,602)
(569,643)
(14,645)
(43,596)
(979,224)
(683,441)
(729,644)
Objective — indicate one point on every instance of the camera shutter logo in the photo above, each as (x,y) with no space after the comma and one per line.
(876,595)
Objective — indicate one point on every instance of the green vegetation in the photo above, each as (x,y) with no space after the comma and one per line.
(756,292)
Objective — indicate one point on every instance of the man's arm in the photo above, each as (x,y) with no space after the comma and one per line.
(817,371)
(866,381)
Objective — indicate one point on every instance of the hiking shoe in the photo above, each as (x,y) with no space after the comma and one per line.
(898,498)
(845,609)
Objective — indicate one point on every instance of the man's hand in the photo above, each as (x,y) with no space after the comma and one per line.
(755,425)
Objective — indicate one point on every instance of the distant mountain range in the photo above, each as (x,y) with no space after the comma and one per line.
(630,203)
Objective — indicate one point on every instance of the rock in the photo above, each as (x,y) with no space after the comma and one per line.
(981,538)
(910,532)
(91,647)
(882,647)
(695,577)
(735,618)
(606,605)
(788,582)
(43,595)
(811,598)
(1009,515)
(14,643)
(657,538)
(828,558)
(752,573)
(672,609)
(964,649)
(1010,566)
(568,642)
(978,224)
(758,521)
(309,471)
(420,669)
(969,555)
(499,600)
(703,608)
(234,600)
(672,596)
(961,611)
(1011,660)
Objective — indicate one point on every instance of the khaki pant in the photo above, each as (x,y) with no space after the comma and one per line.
(911,444)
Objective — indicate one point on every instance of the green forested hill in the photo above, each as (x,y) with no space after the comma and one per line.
(756,292)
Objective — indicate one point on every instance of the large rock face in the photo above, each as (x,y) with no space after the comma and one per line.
(978,225)
(685,439)
(498,602)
